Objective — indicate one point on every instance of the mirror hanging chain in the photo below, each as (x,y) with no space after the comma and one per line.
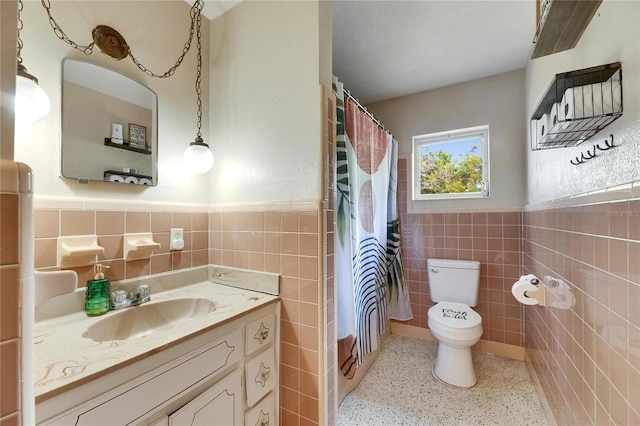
(113,44)
(57,30)
(20,27)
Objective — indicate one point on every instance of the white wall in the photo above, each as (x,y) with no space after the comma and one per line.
(613,35)
(497,101)
(265,102)
(156,32)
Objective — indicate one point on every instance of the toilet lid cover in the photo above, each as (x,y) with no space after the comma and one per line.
(455,315)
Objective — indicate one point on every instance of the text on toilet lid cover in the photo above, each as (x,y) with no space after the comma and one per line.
(450,313)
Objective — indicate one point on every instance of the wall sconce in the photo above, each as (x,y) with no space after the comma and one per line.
(31,101)
(110,42)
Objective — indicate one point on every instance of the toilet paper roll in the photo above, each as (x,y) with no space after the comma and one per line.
(131,179)
(145,181)
(526,290)
(555,125)
(116,178)
(578,102)
(609,99)
(592,100)
(542,128)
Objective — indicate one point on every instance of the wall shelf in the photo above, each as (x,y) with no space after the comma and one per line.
(562,25)
(124,177)
(125,145)
(119,173)
(576,106)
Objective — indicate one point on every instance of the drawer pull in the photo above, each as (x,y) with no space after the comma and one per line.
(262,333)
(263,420)
(263,375)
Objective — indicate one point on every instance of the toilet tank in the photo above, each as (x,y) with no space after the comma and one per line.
(454,280)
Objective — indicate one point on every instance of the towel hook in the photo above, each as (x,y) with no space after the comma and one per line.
(590,155)
(608,142)
(577,161)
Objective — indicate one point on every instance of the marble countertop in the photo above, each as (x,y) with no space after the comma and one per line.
(65,359)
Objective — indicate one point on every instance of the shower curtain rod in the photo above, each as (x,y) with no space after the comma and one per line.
(363,109)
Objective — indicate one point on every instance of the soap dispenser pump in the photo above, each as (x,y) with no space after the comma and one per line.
(97,293)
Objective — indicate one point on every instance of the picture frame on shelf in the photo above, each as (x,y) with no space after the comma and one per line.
(137,136)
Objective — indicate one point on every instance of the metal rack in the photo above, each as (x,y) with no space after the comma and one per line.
(576,106)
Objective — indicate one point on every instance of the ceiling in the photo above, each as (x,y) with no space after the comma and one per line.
(383,49)
(391,48)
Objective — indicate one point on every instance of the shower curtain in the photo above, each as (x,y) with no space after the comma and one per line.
(369,276)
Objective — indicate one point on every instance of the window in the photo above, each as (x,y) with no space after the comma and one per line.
(452,164)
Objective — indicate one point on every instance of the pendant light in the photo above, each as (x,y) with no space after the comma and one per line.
(198,156)
(31,102)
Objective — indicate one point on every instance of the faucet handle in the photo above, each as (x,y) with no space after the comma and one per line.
(119,299)
(144,292)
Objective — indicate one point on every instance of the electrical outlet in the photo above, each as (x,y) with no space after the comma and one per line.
(176,239)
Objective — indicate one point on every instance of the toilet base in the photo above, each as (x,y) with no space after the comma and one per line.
(454,366)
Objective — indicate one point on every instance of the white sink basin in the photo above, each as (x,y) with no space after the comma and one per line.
(139,321)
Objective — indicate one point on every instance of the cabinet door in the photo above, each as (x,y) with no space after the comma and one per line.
(164,421)
(221,404)
(153,390)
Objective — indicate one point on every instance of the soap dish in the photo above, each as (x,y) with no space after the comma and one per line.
(78,250)
(139,246)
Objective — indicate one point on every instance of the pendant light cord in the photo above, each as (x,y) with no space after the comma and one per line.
(199,76)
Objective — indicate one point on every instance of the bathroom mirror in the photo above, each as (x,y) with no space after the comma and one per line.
(109,126)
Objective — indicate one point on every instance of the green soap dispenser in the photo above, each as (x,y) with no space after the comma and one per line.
(96,300)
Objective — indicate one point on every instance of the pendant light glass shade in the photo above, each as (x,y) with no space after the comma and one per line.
(198,156)
(32,103)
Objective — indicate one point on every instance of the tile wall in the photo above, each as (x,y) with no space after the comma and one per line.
(330,343)
(9,311)
(493,238)
(587,357)
(110,227)
(286,242)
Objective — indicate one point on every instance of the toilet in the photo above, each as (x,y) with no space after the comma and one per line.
(454,286)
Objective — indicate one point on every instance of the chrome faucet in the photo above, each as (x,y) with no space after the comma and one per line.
(121,299)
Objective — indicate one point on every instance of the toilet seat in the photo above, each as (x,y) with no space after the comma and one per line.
(456,321)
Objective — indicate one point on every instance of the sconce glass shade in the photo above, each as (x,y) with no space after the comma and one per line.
(32,103)
(198,156)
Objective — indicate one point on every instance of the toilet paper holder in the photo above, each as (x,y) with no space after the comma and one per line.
(553,292)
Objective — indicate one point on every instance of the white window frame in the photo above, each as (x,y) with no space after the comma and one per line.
(444,137)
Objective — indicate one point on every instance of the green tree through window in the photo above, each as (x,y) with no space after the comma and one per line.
(441,174)
(451,164)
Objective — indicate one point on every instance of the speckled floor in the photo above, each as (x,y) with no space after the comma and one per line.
(400,390)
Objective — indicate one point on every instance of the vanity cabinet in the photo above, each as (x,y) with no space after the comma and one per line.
(224,376)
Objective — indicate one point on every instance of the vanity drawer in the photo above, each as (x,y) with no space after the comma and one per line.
(263,414)
(261,376)
(260,333)
(126,404)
